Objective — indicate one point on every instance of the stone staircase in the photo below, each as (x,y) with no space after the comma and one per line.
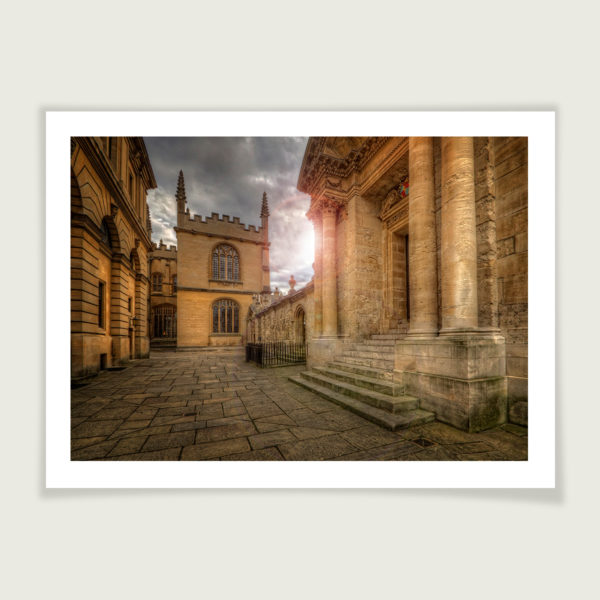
(361,380)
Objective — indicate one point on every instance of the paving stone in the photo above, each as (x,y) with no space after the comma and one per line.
(172,420)
(444,434)
(369,436)
(239,402)
(215,449)
(168,440)
(224,432)
(135,423)
(263,454)
(470,448)
(273,438)
(493,455)
(399,450)
(277,419)
(266,427)
(232,411)
(83,442)
(436,453)
(309,433)
(127,446)
(93,452)
(306,418)
(166,454)
(189,426)
(227,420)
(256,412)
(143,431)
(512,446)
(95,428)
(144,412)
(214,411)
(89,408)
(175,411)
(316,449)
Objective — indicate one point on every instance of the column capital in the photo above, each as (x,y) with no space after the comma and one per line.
(324,205)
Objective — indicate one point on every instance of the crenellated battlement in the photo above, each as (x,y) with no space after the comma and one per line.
(220,225)
(161,250)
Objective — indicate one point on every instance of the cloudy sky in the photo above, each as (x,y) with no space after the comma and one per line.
(228,176)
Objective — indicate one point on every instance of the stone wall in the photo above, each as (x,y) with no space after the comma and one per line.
(511,232)
(110,240)
(276,319)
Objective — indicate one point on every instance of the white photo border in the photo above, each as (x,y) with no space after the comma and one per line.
(537,472)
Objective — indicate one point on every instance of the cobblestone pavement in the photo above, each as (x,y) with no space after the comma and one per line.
(211,405)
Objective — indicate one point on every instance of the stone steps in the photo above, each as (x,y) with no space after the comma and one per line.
(368,362)
(362,380)
(372,372)
(376,384)
(393,404)
(391,421)
(386,351)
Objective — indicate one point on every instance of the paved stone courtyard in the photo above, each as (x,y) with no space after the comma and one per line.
(212,405)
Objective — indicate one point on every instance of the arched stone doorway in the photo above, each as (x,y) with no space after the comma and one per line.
(300,326)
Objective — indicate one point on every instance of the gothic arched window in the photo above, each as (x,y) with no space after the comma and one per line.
(225,317)
(225,263)
(157,280)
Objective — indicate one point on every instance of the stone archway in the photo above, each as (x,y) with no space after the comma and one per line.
(300,326)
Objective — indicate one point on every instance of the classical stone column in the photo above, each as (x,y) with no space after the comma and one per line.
(422,238)
(329,274)
(318,301)
(459,236)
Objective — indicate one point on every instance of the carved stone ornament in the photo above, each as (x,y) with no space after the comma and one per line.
(114,209)
(390,200)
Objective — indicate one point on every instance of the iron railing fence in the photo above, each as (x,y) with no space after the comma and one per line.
(276,354)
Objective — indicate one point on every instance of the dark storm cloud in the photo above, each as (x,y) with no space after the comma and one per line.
(228,176)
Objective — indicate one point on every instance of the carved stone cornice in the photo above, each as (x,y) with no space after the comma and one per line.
(321,169)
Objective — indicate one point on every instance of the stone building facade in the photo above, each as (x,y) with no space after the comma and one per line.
(421,269)
(163,295)
(110,242)
(221,265)
(282,318)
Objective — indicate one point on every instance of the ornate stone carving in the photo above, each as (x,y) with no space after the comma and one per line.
(391,201)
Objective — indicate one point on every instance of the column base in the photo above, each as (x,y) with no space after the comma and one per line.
(422,333)
(460,377)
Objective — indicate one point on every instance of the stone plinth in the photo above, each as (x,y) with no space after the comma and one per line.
(460,378)
(323,349)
